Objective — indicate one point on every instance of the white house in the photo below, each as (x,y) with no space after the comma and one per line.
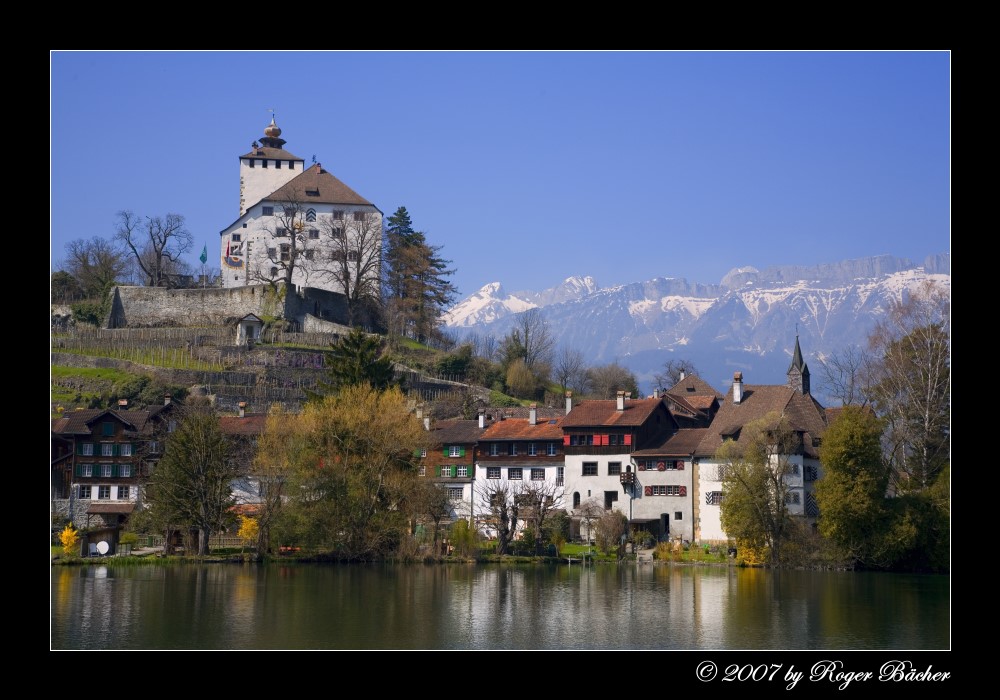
(298,224)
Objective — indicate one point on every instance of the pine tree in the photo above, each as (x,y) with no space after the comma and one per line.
(357,359)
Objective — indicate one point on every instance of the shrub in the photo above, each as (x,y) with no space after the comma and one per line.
(70,540)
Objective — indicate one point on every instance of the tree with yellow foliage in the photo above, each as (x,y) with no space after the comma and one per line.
(70,540)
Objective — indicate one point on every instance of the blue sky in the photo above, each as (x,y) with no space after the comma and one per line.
(527,168)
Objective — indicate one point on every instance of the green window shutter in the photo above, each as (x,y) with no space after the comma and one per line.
(445,452)
(437,470)
(114,450)
(114,470)
(461,452)
(78,470)
(416,453)
(79,448)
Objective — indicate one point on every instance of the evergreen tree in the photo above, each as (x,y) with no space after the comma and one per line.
(416,287)
(357,359)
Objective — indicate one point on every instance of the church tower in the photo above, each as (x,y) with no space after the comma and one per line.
(798,371)
(266,167)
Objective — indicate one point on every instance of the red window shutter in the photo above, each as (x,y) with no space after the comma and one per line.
(648,491)
(684,490)
(565,439)
(661,466)
(642,466)
(679,464)
(628,438)
(605,440)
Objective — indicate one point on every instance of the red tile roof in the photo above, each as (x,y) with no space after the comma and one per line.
(605,413)
(316,179)
(520,429)
(250,424)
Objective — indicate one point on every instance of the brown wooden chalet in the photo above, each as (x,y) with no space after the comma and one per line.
(522,449)
(606,427)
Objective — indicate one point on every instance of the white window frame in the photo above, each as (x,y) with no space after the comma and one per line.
(552,449)
(104,493)
(463,470)
(85,491)
(125,470)
(107,449)
(123,493)
(494,449)
(105,471)
(537,474)
(125,449)
(454,450)
(492,472)
(515,474)
(532,450)
(88,449)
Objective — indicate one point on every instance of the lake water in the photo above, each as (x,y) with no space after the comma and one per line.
(493,606)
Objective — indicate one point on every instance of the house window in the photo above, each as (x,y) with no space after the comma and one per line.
(338,215)
(678,515)
(86,470)
(514,473)
(267,211)
(793,498)
(125,470)
(463,470)
(793,469)
(84,492)
(107,449)
(454,451)
(311,216)
(280,232)
(494,449)
(337,233)
(310,254)
(454,494)
(532,450)
(560,475)
(104,492)
(551,452)
(286,252)
(614,468)
(612,439)
(720,473)
(105,470)
(314,233)
(154,447)
(512,449)
(537,474)
(123,493)
(446,471)
(423,451)
(659,490)
(88,449)
(590,468)
(360,216)
(274,272)
(107,429)
(237,237)
(713,498)
(125,449)
(492,472)
(352,256)
(421,470)
(674,490)
(811,473)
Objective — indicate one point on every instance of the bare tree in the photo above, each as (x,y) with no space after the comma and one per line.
(286,251)
(156,243)
(608,380)
(353,258)
(589,512)
(673,371)
(611,529)
(570,370)
(96,264)
(539,500)
(497,499)
(845,375)
(486,347)
(530,340)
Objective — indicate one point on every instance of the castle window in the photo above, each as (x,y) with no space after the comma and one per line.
(281,232)
(244,225)
(309,254)
(274,272)
(352,256)
(291,165)
(338,233)
(286,252)
(338,215)
(277,164)
(267,211)
(272,253)
(314,233)
(360,216)
(263,163)
(250,161)
(312,193)
(311,213)
(237,237)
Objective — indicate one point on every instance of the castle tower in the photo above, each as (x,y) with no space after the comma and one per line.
(266,167)
(798,371)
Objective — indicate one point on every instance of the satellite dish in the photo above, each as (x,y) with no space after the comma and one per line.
(103,547)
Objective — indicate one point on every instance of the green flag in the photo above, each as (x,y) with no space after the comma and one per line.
(204,255)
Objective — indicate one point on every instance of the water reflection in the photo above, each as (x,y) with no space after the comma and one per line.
(469,606)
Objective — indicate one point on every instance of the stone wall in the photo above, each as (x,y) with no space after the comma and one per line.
(136,307)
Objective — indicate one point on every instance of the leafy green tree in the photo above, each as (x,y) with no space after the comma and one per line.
(351,471)
(357,359)
(754,490)
(851,494)
(191,484)
(64,288)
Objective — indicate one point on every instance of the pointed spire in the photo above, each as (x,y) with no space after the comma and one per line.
(798,371)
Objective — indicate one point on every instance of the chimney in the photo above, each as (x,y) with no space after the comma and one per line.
(122,404)
(628,395)
(420,412)
(569,401)
(482,420)
(243,409)
(427,424)
(166,399)
(621,400)
(737,387)
(656,393)
(533,414)
(683,374)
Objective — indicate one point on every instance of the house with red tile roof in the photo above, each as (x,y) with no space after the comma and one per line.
(743,404)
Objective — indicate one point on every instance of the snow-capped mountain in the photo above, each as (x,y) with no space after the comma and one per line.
(748,321)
